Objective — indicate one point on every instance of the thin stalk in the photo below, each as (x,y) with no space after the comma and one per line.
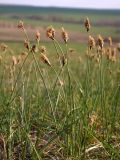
(39,69)
(15,83)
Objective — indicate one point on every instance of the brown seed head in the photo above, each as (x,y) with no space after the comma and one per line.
(3,47)
(50,33)
(14,61)
(63,60)
(38,36)
(42,49)
(108,53)
(110,41)
(118,47)
(91,42)
(113,55)
(34,48)
(100,41)
(20,25)
(45,59)
(87,24)
(65,35)
(19,58)
(26,44)
(71,50)
(24,54)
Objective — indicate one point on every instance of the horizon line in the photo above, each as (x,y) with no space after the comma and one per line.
(54,6)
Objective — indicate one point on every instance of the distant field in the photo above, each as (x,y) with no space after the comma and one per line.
(77,14)
(106,22)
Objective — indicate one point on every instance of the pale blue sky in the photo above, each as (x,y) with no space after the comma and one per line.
(68,3)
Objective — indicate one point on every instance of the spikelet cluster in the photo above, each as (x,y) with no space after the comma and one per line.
(37,36)
(113,55)
(108,53)
(14,61)
(118,47)
(34,48)
(26,44)
(63,60)
(71,50)
(50,33)
(3,47)
(100,41)
(44,59)
(23,54)
(43,49)
(20,25)
(110,41)
(91,42)
(87,24)
(64,35)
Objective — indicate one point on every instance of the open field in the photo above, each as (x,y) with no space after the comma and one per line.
(106,22)
(59,89)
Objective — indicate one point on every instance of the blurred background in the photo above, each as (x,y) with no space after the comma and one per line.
(104,16)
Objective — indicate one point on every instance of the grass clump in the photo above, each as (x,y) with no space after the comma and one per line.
(64,106)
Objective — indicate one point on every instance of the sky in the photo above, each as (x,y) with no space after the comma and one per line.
(100,4)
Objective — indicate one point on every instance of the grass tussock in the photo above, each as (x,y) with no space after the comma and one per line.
(61,107)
